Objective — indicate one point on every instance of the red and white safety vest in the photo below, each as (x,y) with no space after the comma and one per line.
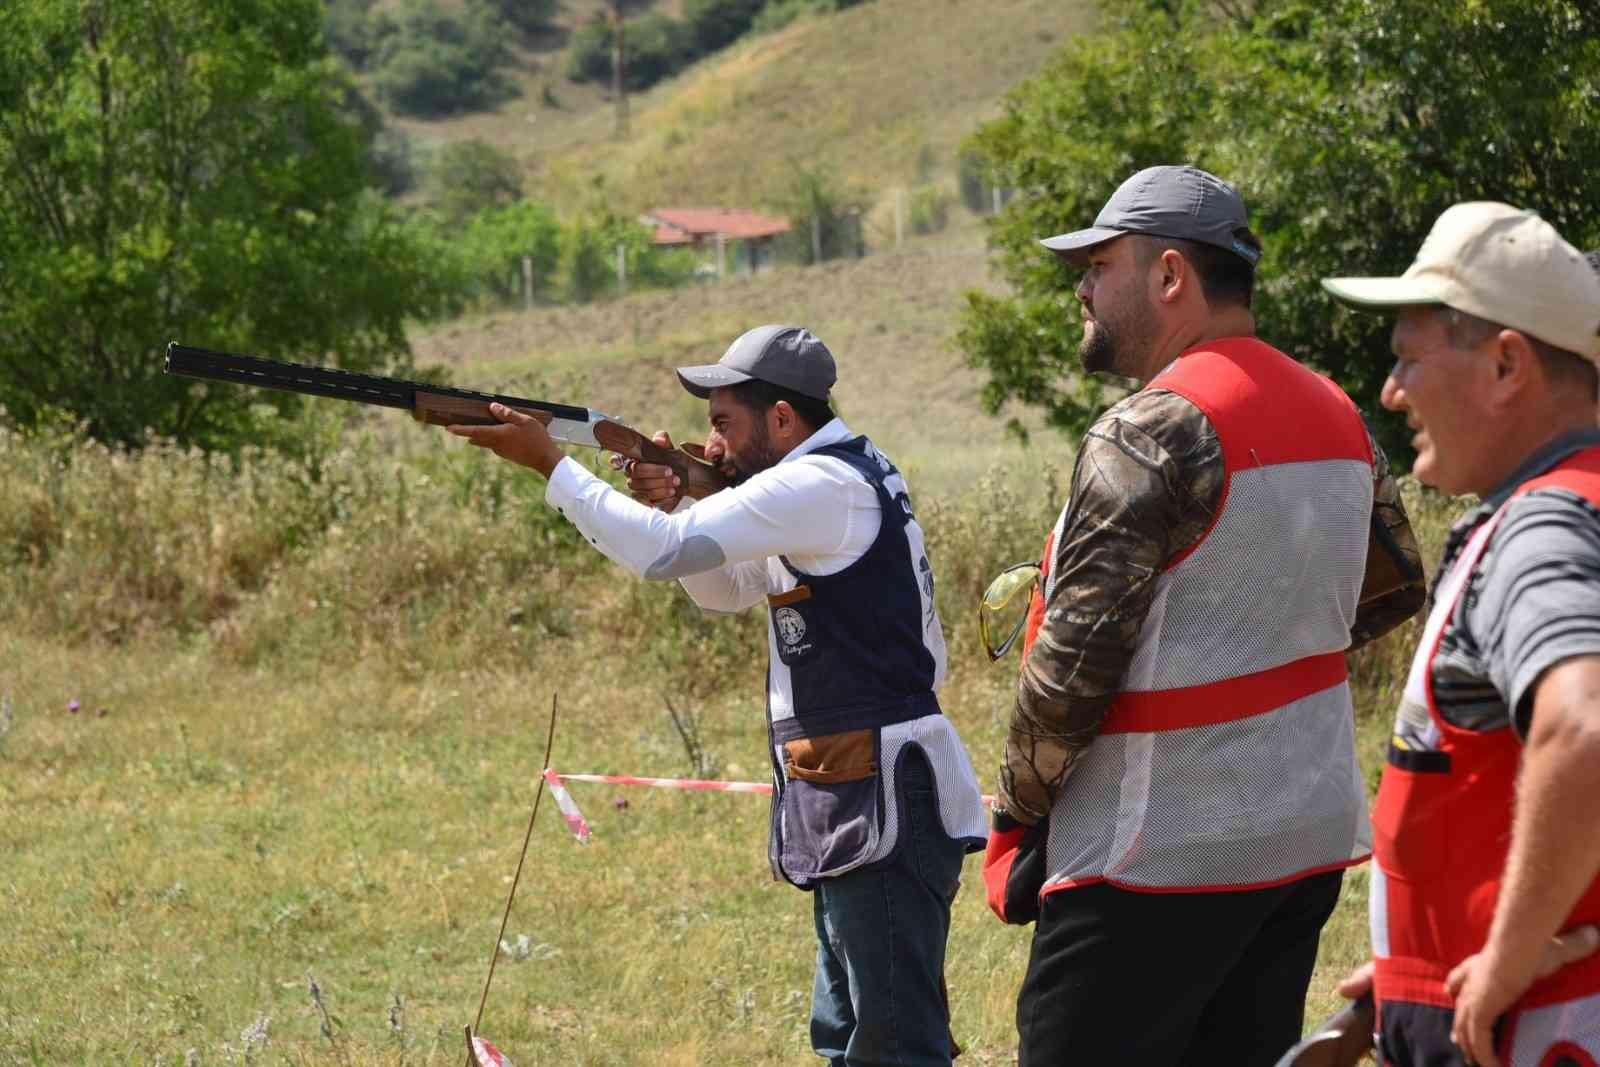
(1227,760)
(1442,828)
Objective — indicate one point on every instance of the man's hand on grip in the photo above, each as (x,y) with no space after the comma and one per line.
(651,483)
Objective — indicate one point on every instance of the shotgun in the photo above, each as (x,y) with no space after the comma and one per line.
(441,405)
(1341,1040)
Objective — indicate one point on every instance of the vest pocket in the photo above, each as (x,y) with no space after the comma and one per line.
(829,809)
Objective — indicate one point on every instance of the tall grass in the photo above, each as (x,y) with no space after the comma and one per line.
(323,681)
(438,555)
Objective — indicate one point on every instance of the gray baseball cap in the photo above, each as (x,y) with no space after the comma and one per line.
(1185,203)
(789,356)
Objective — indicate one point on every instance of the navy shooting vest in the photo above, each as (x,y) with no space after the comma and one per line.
(850,653)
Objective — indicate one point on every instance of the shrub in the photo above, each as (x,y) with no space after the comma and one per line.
(348,28)
(496,240)
(434,61)
(525,14)
(974,180)
(929,209)
(657,47)
(815,201)
(392,161)
(586,262)
(469,176)
(716,23)
(589,56)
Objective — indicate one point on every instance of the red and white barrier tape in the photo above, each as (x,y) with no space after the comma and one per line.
(569,807)
(487,1055)
(706,784)
(580,826)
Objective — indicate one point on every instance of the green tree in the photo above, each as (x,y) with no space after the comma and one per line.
(716,23)
(525,14)
(1348,126)
(589,246)
(436,61)
(658,46)
(825,215)
(183,169)
(496,240)
(349,29)
(469,176)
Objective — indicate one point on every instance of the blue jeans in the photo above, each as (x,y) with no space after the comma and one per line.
(878,997)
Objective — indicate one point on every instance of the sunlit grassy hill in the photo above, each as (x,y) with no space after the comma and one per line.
(878,94)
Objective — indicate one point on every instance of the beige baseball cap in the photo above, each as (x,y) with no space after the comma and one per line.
(1501,264)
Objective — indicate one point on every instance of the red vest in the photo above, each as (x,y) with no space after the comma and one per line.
(1227,760)
(1442,821)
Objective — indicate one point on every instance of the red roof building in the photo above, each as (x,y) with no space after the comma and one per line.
(700,225)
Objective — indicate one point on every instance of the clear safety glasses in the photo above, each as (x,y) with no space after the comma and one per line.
(1003,610)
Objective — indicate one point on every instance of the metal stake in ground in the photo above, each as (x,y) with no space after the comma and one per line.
(494,956)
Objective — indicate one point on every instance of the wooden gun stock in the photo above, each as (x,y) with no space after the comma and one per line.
(1341,1040)
(697,477)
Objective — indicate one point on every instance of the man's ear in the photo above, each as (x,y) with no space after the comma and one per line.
(783,420)
(1174,275)
(1516,365)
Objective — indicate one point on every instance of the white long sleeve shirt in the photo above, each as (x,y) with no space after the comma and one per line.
(819,514)
(815,510)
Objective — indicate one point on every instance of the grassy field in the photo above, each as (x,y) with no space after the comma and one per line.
(312,698)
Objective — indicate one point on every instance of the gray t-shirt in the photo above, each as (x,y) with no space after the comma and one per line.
(1532,601)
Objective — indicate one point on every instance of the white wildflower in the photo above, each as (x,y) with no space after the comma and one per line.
(255,1034)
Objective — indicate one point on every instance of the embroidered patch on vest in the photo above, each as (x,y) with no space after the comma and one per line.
(791,628)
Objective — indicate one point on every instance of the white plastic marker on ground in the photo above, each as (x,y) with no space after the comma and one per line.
(569,807)
(580,827)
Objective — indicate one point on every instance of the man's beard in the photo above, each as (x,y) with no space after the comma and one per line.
(757,456)
(1117,347)
(1097,351)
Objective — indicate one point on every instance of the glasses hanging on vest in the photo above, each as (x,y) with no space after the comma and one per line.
(1003,611)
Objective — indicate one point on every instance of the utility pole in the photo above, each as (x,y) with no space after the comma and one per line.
(619,69)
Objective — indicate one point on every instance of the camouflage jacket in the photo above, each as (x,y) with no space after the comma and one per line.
(1148,480)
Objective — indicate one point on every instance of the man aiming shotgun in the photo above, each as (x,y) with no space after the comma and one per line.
(441,405)
(875,800)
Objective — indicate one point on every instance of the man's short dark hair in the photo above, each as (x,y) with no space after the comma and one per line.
(1225,277)
(1465,331)
(759,396)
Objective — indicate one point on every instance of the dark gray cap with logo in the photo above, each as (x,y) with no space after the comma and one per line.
(1184,203)
(789,356)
